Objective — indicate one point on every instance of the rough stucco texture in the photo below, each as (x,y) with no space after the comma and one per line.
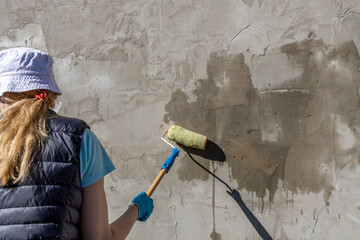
(275,84)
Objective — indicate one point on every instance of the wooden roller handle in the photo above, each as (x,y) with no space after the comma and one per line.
(156,182)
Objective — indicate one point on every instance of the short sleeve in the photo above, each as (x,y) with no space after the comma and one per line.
(94,161)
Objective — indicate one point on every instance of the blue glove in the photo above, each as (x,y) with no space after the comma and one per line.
(145,206)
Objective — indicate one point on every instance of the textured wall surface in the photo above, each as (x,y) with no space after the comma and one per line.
(275,84)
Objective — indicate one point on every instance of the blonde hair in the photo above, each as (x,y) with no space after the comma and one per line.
(22,130)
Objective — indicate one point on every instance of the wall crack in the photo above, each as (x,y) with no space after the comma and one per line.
(176,223)
(228,46)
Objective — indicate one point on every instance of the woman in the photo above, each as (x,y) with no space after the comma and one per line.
(52,168)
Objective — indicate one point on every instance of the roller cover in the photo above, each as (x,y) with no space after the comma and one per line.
(186,137)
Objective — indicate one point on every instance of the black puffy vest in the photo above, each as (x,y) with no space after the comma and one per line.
(47,204)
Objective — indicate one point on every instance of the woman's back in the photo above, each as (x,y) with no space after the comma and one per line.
(46,204)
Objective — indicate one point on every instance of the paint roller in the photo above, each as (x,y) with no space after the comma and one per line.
(181,136)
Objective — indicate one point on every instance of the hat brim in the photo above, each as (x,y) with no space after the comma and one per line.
(24,83)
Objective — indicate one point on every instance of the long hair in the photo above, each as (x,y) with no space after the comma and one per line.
(22,131)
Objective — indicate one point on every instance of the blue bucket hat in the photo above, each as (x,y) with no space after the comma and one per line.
(25,69)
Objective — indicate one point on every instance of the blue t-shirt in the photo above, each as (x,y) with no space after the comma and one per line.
(94,161)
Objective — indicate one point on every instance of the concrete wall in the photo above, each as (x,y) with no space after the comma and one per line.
(274,83)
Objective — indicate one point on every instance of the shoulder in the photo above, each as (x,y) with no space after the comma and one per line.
(57,123)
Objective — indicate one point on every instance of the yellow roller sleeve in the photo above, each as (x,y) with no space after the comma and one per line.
(186,137)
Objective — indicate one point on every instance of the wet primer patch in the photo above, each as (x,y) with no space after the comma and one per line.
(250,158)
(335,96)
(281,132)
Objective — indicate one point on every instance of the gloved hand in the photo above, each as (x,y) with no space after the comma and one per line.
(145,206)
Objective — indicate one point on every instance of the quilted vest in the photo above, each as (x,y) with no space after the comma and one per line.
(46,205)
